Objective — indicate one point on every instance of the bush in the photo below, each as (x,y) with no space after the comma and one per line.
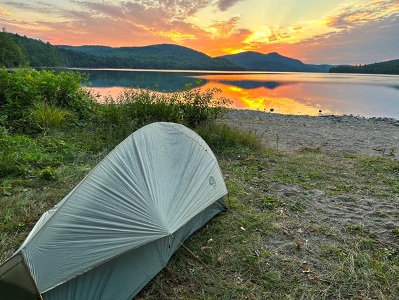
(138,107)
(22,89)
(199,107)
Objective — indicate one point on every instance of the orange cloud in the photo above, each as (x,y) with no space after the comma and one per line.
(144,22)
(223,28)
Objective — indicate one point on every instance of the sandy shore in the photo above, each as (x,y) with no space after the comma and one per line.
(348,134)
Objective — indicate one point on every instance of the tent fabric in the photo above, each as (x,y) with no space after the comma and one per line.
(124,220)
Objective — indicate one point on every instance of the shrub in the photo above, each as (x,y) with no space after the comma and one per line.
(49,116)
(138,107)
(198,106)
(21,89)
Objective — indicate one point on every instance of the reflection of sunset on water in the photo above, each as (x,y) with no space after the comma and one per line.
(286,93)
(286,99)
(101,92)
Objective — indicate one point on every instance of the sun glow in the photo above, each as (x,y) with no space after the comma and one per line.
(280,100)
(5,12)
(176,36)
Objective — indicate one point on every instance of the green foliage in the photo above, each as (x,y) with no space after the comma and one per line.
(224,139)
(39,105)
(49,116)
(22,155)
(198,106)
(21,90)
(387,67)
(135,108)
(10,52)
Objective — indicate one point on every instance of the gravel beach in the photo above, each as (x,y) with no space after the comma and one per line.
(347,134)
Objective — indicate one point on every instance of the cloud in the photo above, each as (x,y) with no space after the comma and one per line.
(5,12)
(165,18)
(144,22)
(269,35)
(224,5)
(354,15)
(364,44)
(39,7)
(124,23)
(224,28)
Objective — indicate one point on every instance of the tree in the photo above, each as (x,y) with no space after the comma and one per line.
(10,52)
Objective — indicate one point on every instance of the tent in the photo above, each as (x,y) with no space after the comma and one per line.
(121,224)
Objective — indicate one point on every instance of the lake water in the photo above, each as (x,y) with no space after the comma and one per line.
(286,93)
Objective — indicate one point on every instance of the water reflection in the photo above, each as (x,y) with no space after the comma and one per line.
(162,81)
(287,93)
(282,99)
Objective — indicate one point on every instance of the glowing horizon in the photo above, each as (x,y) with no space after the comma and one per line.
(315,31)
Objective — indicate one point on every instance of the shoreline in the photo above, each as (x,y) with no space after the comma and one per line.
(375,136)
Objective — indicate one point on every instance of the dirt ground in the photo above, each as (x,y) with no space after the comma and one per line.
(327,217)
(365,136)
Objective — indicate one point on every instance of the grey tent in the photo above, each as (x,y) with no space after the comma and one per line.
(121,224)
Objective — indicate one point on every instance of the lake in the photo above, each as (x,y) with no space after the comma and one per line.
(278,92)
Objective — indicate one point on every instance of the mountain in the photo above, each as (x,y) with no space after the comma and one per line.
(16,50)
(386,67)
(255,61)
(161,56)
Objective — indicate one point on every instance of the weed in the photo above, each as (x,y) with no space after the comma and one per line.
(271,203)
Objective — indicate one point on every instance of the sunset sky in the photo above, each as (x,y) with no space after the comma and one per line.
(314,31)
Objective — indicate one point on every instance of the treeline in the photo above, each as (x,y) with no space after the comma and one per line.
(387,67)
(11,54)
(16,51)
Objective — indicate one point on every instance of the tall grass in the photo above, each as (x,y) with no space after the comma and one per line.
(48,116)
(190,106)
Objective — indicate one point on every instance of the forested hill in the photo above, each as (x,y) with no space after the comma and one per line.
(387,67)
(256,61)
(16,50)
(162,56)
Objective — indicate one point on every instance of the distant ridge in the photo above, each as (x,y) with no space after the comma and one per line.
(385,67)
(160,56)
(158,49)
(255,61)
(17,51)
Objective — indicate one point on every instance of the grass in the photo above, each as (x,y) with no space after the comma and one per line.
(298,226)
(264,246)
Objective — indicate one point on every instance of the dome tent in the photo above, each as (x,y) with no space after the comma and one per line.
(121,224)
